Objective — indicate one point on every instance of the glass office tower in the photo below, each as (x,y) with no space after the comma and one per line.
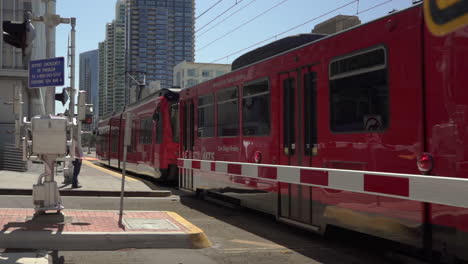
(160,34)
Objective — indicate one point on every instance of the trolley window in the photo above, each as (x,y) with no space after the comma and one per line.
(145,130)
(114,139)
(206,116)
(289,132)
(228,112)
(310,113)
(174,113)
(256,109)
(158,118)
(359,92)
(133,145)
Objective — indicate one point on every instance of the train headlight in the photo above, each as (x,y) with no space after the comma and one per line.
(258,157)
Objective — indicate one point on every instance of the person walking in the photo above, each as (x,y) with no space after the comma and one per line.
(78,159)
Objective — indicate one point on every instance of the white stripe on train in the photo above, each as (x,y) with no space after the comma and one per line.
(432,189)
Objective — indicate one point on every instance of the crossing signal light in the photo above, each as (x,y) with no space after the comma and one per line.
(88,120)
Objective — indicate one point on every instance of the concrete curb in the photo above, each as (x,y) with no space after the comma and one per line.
(160,193)
(44,240)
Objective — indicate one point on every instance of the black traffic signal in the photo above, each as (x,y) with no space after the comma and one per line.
(62,97)
(20,35)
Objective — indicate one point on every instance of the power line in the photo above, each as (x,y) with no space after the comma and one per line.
(237,2)
(245,23)
(240,9)
(209,9)
(320,16)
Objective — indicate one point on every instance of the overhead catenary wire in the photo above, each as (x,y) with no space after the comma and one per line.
(245,23)
(225,11)
(211,7)
(215,25)
(302,24)
(275,36)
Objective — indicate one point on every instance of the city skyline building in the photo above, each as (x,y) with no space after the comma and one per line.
(89,81)
(159,35)
(112,92)
(188,74)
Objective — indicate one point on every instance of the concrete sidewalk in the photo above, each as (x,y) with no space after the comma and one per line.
(93,177)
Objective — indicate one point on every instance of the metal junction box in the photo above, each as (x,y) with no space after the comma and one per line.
(49,135)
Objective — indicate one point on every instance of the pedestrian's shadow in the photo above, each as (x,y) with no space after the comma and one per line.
(64,185)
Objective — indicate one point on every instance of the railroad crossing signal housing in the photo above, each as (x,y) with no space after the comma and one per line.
(445,16)
(85,111)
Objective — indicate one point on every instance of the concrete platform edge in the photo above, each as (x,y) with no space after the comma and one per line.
(197,236)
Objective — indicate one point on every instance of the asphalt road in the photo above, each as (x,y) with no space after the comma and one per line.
(238,236)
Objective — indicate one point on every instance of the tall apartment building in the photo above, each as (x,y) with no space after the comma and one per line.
(187,74)
(14,75)
(89,80)
(102,91)
(160,34)
(112,95)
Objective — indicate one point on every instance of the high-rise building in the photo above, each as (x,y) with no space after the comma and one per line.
(102,102)
(89,80)
(112,95)
(14,77)
(160,34)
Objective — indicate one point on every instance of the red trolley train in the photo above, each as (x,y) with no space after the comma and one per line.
(338,132)
(154,141)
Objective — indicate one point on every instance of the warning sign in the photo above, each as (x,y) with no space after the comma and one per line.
(445,16)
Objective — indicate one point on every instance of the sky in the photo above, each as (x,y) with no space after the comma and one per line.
(246,23)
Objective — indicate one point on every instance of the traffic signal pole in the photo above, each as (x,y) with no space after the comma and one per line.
(49,101)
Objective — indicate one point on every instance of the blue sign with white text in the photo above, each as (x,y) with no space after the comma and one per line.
(48,72)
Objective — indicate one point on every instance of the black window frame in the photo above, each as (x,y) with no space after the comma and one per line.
(158,119)
(174,119)
(310,81)
(244,97)
(221,101)
(146,131)
(369,67)
(201,121)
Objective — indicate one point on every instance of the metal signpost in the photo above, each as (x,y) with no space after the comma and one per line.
(127,141)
